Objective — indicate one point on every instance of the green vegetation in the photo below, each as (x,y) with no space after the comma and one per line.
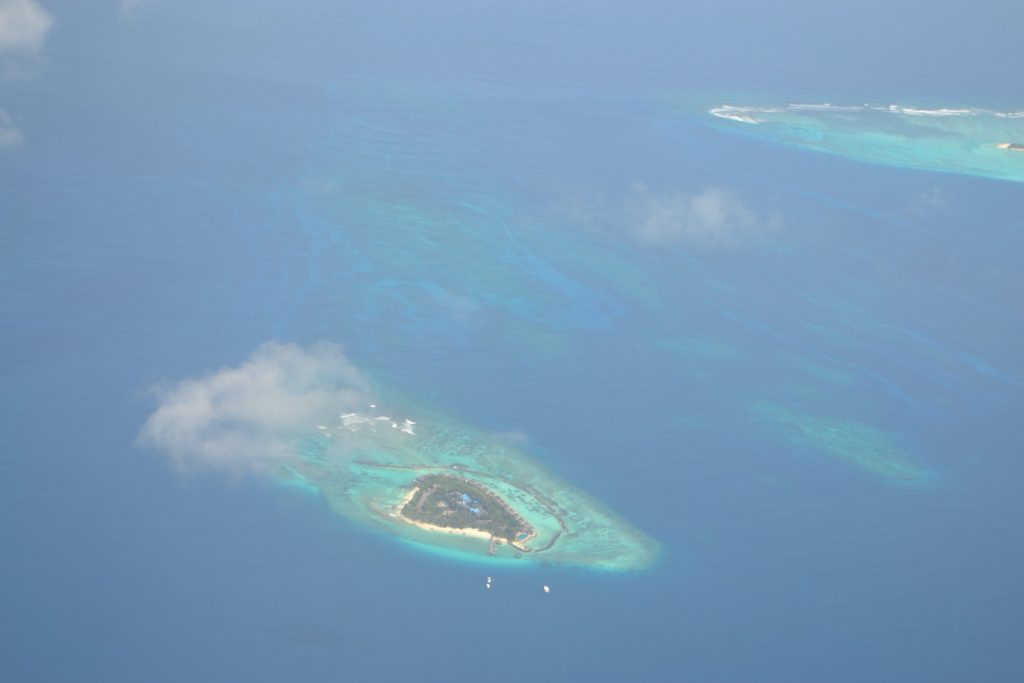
(366,475)
(458,503)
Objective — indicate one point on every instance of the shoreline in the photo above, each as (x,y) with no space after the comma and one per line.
(468,532)
(626,549)
(479,533)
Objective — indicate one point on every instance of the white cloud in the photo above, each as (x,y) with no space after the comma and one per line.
(23,26)
(10,135)
(714,217)
(250,417)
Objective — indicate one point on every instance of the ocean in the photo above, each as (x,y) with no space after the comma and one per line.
(799,372)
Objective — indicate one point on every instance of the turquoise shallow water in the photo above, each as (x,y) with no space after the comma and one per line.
(967,141)
(799,372)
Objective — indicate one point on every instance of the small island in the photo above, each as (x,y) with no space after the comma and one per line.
(1012,146)
(433,481)
(453,504)
(438,483)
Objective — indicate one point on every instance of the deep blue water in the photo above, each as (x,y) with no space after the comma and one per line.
(447,192)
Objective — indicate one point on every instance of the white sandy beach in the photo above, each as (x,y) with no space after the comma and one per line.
(468,532)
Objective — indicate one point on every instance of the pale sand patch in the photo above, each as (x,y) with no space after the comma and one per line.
(1010,146)
(407,498)
(469,532)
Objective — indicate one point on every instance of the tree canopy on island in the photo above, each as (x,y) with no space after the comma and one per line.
(458,503)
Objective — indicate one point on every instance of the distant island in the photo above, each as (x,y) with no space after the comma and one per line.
(445,502)
(958,139)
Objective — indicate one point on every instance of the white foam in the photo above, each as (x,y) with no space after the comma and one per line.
(354,422)
(823,107)
(916,111)
(752,114)
(741,114)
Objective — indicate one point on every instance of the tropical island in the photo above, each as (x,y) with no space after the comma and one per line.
(390,464)
(945,139)
(457,504)
(440,484)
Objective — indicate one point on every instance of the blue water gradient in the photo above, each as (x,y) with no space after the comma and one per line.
(453,193)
